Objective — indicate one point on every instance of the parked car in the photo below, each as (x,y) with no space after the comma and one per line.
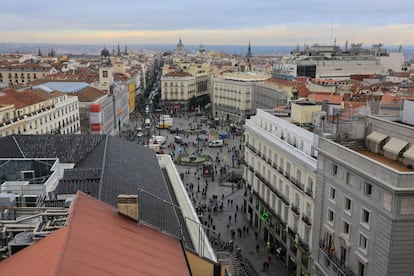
(178,140)
(215,143)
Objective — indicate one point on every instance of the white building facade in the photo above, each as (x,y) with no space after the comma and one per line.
(58,115)
(280,175)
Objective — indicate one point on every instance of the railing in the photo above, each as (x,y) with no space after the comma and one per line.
(292,232)
(330,253)
(295,209)
(297,183)
(307,220)
(303,244)
(309,192)
(274,165)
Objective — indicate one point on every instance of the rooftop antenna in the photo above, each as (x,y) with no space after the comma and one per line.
(331,40)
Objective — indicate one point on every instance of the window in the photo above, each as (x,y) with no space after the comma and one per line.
(365,216)
(332,194)
(334,169)
(347,204)
(361,269)
(346,227)
(368,189)
(331,216)
(310,185)
(363,242)
(348,178)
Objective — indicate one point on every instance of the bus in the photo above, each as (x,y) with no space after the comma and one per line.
(147,123)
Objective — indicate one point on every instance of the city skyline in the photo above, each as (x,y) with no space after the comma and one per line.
(218,23)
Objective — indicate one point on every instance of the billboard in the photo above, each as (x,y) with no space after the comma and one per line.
(95,116)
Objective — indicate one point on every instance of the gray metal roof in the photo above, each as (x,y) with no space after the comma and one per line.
(105,166)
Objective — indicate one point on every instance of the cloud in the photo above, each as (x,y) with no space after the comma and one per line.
(269,35)
(210,22)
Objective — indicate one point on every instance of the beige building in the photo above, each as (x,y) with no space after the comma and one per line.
(177,88)
(20,74)
(34,111)
(233,95)
(182,81)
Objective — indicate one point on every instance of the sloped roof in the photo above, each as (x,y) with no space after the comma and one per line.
(99,241)
(332,99)
(26,97)
(68,148)
(88,94)
(126,168)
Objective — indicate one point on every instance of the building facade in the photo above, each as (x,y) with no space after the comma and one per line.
(57,113)
(22,74)
(280,177)
(233,96)
(177,88)
(364,217)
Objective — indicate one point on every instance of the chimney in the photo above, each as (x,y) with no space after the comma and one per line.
(128,206)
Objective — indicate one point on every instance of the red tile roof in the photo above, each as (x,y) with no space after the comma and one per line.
(88,94)
(178,74)
(99,241)
(319,98)
(26,97)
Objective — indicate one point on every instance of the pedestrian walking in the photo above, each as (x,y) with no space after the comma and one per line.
(235,216)
(257,248)
(237,207)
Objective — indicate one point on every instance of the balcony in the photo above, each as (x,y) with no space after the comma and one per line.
(307,220)
(280,170)
(303,244)
(274,165)
(295,209)
(251,169)
(297,183)
(329,253)
(284,199)
(292,232)
(309,192)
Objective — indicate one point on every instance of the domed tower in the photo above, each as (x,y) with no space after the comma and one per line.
(106,71)
(180,48)
(105,56)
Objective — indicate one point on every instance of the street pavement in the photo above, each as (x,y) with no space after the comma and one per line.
(225,192)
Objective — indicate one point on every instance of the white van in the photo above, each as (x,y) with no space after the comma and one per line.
(215,143)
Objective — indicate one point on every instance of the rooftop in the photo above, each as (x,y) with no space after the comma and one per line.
(99,241)
(396,165)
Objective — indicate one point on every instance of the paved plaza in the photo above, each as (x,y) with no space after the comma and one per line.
(231,217)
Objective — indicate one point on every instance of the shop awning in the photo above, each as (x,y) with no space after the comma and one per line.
(395,146)
(409,154)
(376,137)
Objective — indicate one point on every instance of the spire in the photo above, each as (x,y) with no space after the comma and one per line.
(119,51)
(126,51)
(249,51)
(39,53)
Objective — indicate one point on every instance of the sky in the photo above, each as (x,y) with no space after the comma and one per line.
(225,22)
